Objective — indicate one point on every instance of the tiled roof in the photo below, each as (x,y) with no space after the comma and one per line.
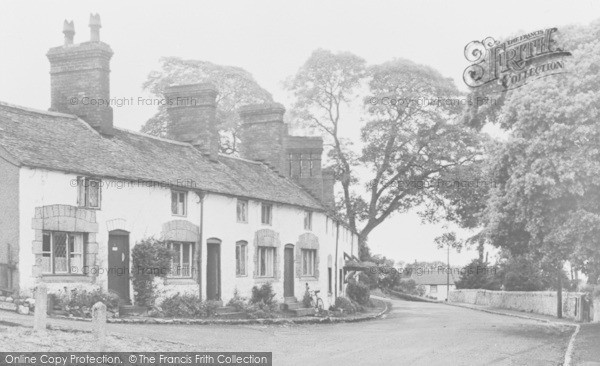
(433,276)
(65,143)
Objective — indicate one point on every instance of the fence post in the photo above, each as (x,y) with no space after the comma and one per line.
(99,324)
(40,317)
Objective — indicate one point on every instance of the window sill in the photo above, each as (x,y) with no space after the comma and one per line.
(56,278)
(266,279)
(241,276)
(180,281)
(177,215)
(308,278)
(90,208)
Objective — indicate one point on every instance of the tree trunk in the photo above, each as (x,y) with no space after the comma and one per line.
(559,313)
(364,253)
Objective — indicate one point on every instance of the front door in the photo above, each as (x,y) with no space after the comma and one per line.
(288,271)
(213,272)
(118,264)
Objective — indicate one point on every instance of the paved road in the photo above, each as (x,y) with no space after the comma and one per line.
(411,334)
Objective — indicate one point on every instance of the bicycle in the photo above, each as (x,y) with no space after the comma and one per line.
(315,301)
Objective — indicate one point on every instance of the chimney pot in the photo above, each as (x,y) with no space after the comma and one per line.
(95,26)
(69,32)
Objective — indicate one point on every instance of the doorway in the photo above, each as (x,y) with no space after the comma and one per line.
(213,270)
(288,271)
(118,264)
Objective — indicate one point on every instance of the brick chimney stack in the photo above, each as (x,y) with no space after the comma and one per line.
(80,78)
(263,132)
(265,138)
(303,157)
(193,113)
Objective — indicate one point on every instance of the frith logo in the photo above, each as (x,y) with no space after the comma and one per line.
(514,62)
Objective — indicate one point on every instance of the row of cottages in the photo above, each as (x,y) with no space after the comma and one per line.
(77,193)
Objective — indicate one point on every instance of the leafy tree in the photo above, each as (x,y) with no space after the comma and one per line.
(479,274)
(547,202)
(236,87)
(404,144)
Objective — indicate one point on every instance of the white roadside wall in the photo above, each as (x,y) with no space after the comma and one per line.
(539,302)
(142,211)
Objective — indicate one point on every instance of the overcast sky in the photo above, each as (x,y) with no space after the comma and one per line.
(270,39)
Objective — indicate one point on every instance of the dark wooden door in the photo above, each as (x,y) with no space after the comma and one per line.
(213,272)
(118,264)
(288,272)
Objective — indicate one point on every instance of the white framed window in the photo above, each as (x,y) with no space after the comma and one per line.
(181,262)
(308,220)
(179,203)
(88,192)
(433,289)
(266,214)
(242,211)
(241,256)
(62,253)
(266,262)
(309,261)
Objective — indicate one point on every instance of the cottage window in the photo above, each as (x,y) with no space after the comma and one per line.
(88,194)
(329,280)
(307,220)
(433,289)
(241,254)
(266,262)
(179,203)
(266,214)
(309,260)
(62,253)
(242,211)
(181,262)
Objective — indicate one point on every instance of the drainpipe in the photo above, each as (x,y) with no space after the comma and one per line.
(337,241)
(201,196)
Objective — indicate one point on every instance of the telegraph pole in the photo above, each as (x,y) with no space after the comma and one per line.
(448,274)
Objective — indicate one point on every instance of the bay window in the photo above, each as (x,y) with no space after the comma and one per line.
(62,253)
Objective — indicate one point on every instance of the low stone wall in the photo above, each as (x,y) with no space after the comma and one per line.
(539,302)
(595,311)
(22,306)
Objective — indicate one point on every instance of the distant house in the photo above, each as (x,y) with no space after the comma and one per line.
(434,282)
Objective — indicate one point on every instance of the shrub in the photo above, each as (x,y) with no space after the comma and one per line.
(237,301)
(345,305)
(263,294)
(358,292)
(407,286)
(592,290)
(187,306)
(261,310)
(151,258)
(307,299)
(79,302)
